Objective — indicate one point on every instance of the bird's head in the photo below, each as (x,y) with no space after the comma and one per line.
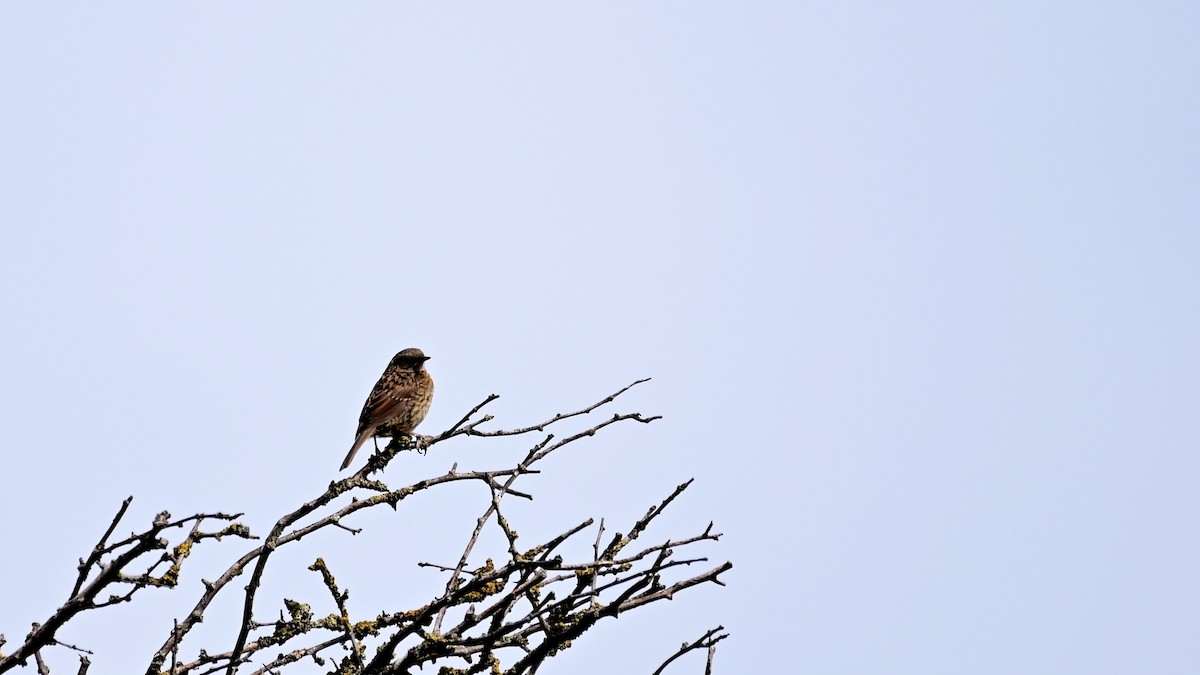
(411,359)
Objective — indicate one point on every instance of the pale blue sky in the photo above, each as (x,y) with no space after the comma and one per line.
(916,282)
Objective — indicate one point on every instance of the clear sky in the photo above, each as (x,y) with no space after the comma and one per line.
(917,284)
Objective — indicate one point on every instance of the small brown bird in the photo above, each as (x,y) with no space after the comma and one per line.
(399,401)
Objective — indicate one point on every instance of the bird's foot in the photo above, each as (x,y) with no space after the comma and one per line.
(417,442)
(421,443)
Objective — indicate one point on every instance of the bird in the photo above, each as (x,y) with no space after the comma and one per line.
(398,402)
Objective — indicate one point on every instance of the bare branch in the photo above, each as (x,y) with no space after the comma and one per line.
(706,642)
(99,549)
(509,613)
(108,562)
(557,418)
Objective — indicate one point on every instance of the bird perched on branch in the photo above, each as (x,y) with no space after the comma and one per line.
(399,401)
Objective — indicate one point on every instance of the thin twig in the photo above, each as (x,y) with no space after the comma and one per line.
(706,641)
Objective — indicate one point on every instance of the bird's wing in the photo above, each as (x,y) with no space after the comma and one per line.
(384,404)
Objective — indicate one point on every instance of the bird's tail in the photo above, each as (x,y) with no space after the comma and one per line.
(362,438)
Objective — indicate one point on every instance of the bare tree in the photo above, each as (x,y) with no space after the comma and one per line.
(507,614)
